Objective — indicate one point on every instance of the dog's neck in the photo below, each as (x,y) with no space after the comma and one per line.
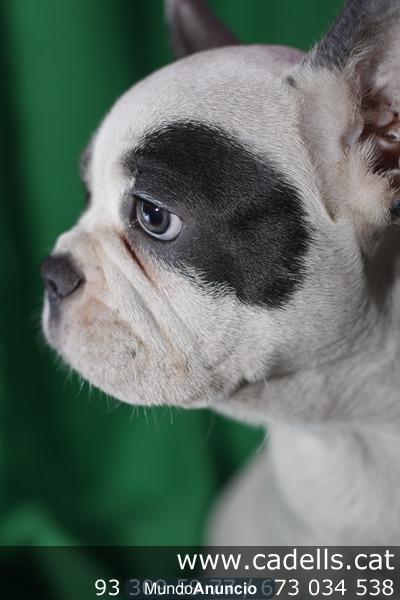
(338,482)
(336,475)
(340,472)
(334,436)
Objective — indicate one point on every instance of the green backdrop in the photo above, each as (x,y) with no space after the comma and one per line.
(77,468)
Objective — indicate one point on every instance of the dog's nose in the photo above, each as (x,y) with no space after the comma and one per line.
(60,276)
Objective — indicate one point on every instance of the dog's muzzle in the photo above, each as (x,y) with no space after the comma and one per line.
(61,277)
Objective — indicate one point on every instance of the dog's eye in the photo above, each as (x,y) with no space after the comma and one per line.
(156,221)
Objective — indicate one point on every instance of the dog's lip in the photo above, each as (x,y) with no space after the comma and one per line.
(134,255)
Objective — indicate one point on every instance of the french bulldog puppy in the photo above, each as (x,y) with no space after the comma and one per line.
(239,252)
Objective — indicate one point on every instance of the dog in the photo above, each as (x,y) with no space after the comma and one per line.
(239,251)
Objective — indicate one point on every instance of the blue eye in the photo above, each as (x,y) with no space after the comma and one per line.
(156,221)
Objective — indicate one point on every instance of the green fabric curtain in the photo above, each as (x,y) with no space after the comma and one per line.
(76,467)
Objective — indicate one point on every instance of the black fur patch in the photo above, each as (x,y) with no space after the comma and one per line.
(243,222)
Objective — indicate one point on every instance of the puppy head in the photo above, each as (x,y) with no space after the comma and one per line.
(234,197)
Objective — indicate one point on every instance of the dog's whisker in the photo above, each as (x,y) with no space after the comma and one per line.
(146,418)
(82,384)
(155,421)
(207,433)
(134,413)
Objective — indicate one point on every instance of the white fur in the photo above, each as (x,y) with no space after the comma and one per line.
(320,372)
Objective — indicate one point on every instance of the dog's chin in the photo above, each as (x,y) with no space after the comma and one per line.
(105,350)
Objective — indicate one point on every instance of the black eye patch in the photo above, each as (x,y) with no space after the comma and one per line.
(243,222)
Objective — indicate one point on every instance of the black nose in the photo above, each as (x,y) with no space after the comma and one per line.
(60,276)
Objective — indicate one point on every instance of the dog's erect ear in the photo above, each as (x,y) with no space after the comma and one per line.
(351,86)
(364,28)
(363,49)
(193,27)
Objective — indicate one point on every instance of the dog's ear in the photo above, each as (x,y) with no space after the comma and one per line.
(364,28)
(350,83)
(193,27)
